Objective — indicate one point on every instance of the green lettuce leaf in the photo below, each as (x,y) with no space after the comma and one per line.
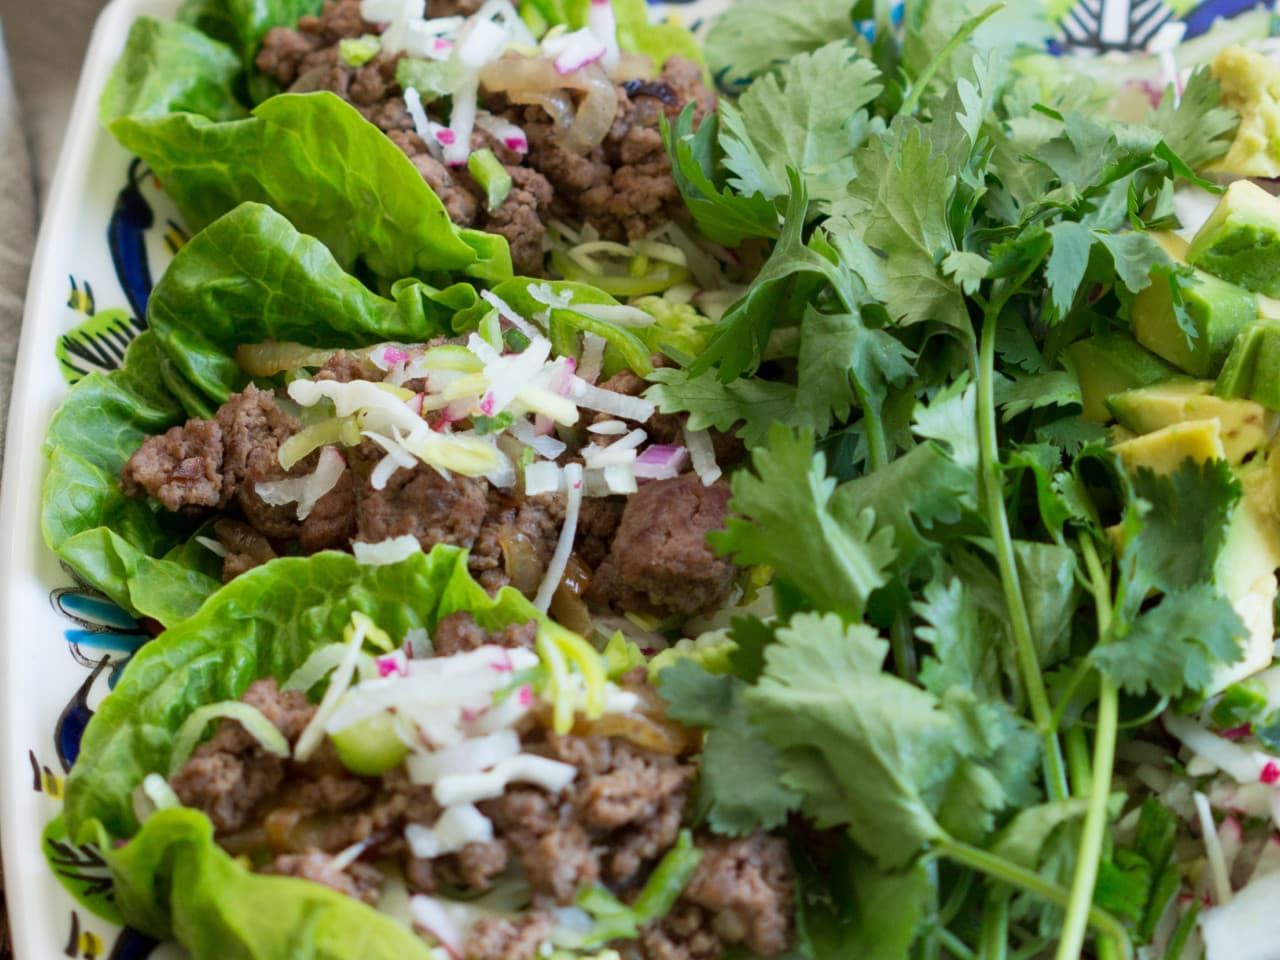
(117,544)
(169,67)
(172,881)
(250,276)
(336,176)
(241,25)
(265,623)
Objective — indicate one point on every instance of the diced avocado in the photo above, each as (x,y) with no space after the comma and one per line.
(1240,242)
(1250,85)
(1252,369)
(1244,425)
(1165,449)
(1217,310)
(1110,363)
(1174,245)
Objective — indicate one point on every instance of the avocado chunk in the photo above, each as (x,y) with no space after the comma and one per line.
(1165,449)
(1218,311)
(1110,363)
(1240,242)
(1252,369)
(1244,426)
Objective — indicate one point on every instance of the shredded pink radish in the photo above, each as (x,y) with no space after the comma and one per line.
(660,462)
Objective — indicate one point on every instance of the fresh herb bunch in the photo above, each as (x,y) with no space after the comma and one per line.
(973,596)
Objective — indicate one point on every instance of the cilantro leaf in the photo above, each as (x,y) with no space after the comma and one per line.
(1182,530)
(952,418)
(740,789)
(1176,646)
(1194,126)
(862,745)
(922,487)
(830,552)
(900,203)
(809,115)
(838,353)
(964,646)
(752,36)
(724,216)
(793,275)
(754,403)
(1068,261)
(1017,395)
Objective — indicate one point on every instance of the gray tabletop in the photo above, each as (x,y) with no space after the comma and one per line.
(41,46)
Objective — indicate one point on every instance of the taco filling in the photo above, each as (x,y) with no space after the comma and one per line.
(429,781)
(510,132)
(570,491)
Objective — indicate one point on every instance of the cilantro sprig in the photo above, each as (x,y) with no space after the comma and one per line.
(973,595)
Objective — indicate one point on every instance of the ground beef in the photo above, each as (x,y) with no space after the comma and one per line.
(660,559)
(746,883)
(685,933)
(246,548)
(344,367)
(230,774)
(495,938)
(529,527)
(623,187)
(520,218)
(471,868)
(458,633)
(417,501)
(553,848)
(358,880)
(182,468)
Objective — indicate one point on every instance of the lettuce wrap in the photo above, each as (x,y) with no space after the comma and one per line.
(174,877)
(247,278)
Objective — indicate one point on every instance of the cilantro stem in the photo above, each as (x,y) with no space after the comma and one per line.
(1078,760)
(1005,871)
(921,82)
(954,945)
(998,518)
(1093,830)
(994,938)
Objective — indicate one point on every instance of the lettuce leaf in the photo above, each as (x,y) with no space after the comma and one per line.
(121,546)
(336,176)
(173,882)
(264,623)
(250,276)
(241,25)
(169,67)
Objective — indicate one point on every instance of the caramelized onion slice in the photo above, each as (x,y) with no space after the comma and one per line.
(536,80)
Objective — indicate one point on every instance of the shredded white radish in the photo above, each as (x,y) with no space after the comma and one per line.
(607,401)
(575,50)
(508,134)
(306,491)
(1234,760)
(457,826)
(391,550)
(592,362)
(467,756)
(447,922)
(702,454)
(213,546)
(619,314)
(508,314)
(620,478)
(1219,873)
(564,546)
(313,735)
(609,428)
(551,775)
(544,445)
(418,114)
(603,23)
(543,476)
(1248,928)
